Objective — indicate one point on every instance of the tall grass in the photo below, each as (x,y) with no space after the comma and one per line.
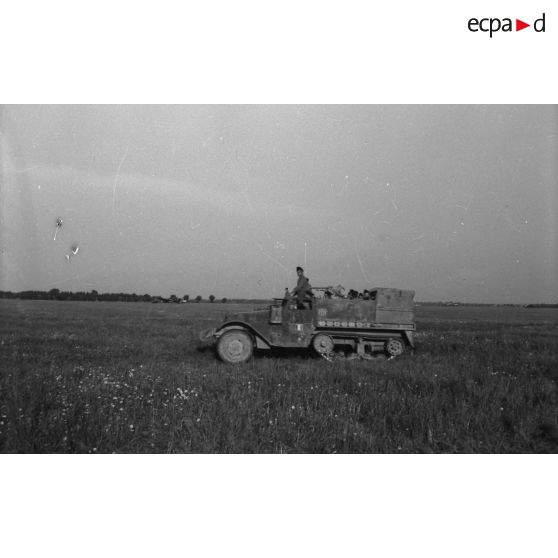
(110,377)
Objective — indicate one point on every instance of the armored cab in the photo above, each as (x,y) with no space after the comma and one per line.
(385,322)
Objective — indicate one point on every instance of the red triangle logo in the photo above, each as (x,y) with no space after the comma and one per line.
(519,25)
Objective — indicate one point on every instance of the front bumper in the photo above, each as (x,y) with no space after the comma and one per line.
(208,336)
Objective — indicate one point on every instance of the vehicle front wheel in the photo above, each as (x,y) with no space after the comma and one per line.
(235,346)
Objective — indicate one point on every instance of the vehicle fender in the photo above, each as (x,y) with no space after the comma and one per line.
(261,341)
(409,338)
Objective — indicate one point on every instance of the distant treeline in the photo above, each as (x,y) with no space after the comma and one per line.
(56,294)
(442,303)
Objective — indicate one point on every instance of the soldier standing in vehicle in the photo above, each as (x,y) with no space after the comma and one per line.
(303,289)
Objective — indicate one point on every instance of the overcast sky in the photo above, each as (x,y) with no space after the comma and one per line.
(455,202)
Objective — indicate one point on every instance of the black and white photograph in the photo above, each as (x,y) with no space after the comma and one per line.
(279,279)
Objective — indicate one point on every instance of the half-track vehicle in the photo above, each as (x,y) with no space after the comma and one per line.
(383,323)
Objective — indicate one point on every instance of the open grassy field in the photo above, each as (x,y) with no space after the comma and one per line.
(105,377)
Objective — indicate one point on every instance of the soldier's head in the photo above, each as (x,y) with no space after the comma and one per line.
(299,270)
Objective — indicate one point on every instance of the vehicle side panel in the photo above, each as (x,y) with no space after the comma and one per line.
(390,313)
